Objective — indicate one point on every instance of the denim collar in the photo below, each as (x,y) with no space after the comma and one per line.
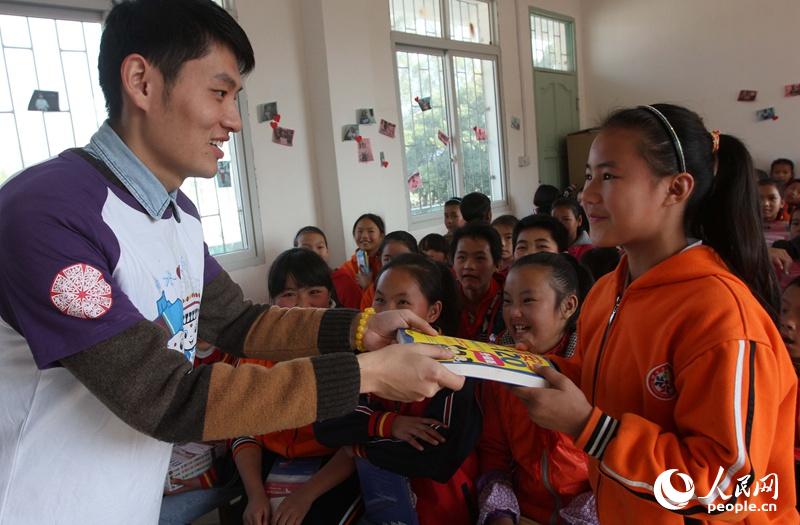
(137,178)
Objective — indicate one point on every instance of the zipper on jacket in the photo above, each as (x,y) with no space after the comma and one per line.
(603,346)
(549,486)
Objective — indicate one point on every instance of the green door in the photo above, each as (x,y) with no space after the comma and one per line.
(555,96)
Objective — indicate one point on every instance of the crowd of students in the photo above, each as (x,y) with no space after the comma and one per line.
(653,290)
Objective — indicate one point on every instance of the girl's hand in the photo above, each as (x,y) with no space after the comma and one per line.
(382,328)
(293,509)
(364,280)
(780,258)
(562,407)
(410,428)
(257,511)
(187,485)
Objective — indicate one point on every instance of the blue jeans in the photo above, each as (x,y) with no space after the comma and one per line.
(183,508)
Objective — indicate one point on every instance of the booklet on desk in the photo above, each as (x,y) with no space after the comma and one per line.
(484,360)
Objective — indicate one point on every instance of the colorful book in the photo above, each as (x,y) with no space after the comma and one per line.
(287,475)
(188,461)
(484,360)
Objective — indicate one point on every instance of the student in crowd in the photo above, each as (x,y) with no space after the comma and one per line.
(300,277)
(544,197)
(348,292)
(368,233)
(393,244)
(790,331)
(528,470)
(781,170)
(773,216)
(297,278)
(504,226)
(109,286)
(791,196)
(452,217)
(787,267)
(650,347)
(569,213)
(435,247)
(600,261)
(539,233)
(431,442)
(475,253)
(476,206)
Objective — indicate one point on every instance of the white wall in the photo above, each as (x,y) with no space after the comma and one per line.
(698,54)
(322,60)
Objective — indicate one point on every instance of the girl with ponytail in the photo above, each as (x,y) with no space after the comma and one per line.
(679,364)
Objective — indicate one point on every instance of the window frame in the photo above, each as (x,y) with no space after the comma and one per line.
(449,48)
(93,11)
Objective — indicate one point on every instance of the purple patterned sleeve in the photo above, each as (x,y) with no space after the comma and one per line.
(496,498)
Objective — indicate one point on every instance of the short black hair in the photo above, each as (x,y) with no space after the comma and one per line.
(436,282)
(544,197)
(374,218)
(771,182)
(778,162)
(309,229)
(402,237)
(505,220)
(479,230)
(307,268)
(546,222)
(433,241)
(168,33)
(453,201)
(475,206)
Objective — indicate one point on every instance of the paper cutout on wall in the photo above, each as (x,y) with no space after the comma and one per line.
(365,151)
(387,128)
(349,132)
(766,114)
(267,111)
(43,101)
(223,174)
(414,181)
(515,123)
(747,95)
(384,162)
(283,136)
(791,90)
(480,133)
(424,103)
(443,138)
(365,116)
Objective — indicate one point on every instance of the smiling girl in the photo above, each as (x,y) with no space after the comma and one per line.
(368,232)
(679,362)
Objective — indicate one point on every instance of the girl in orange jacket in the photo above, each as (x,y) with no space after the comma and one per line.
(525,469)
(686,392)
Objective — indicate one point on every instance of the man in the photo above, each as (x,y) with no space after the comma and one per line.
(106,285)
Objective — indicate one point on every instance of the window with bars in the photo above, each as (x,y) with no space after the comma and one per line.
(455,145)
(51,54)
(551,43)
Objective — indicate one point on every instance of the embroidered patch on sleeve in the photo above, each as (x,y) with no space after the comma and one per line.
(660,382)
(80,290)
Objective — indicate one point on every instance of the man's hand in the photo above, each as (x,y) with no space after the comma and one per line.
(382,328)
(407,372)
(562,407)
(411,428)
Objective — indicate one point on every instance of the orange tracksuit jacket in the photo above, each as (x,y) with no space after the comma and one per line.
(685,371)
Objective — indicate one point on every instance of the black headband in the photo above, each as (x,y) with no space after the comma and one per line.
(676,143)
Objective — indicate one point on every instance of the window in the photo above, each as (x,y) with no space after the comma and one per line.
(551,43)
(449,100)
(59,54)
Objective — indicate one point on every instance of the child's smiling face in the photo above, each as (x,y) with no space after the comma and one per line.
(790,318)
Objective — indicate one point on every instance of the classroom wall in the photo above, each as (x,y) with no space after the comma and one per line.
(698,54)
(323,60)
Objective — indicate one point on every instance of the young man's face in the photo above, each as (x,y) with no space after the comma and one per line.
(185,126)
